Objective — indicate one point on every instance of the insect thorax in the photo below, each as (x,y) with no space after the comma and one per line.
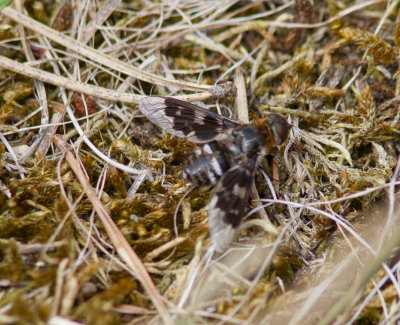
(208,163)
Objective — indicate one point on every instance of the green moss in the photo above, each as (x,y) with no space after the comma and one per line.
(47,222)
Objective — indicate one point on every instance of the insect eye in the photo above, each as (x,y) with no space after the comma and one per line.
(279,128)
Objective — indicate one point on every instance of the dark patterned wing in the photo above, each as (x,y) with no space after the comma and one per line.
(185,120)
(229,201)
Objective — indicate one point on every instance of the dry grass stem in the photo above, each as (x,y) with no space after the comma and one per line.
(98,226)
(120,243)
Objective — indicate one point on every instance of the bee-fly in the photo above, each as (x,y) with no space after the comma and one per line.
(228,158)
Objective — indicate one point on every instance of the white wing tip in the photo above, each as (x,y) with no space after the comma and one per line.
(151,100)
(222,237)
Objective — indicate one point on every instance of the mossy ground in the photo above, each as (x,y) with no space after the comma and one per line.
(330,67)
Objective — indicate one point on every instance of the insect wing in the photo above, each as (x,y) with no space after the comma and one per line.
(185,120)
(229,201)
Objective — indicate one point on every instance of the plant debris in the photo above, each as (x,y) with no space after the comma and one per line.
(97,224)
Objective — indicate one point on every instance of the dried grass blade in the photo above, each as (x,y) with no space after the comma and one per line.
(98,92)
(121,245)
(97,56)
(372,268)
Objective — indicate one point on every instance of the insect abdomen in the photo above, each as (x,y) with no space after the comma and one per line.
(206,164)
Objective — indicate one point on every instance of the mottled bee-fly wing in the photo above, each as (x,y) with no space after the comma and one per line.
(228,157)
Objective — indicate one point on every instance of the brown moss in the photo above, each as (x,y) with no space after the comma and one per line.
(345,140)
